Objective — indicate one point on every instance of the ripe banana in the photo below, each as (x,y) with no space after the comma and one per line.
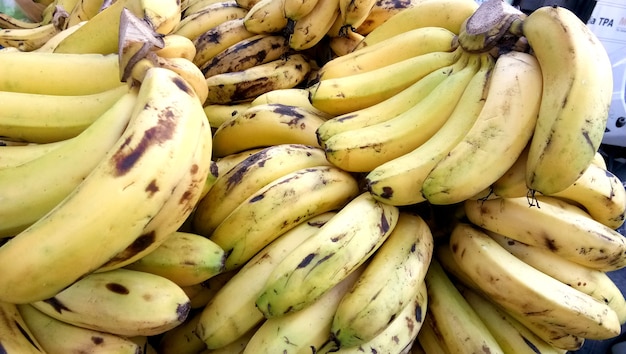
(502,130)
(15,335)
(449,14)
(511,335)
(28,39)
(460,327)
(266,125)
(405,45)
(247,177)
(224,164)
(189,7)
(247,53)
(305,330)
(341,95)
(381,12)
(354,12)
(57,336)
(343,244)
(341,46)
(520,288)
(294,96)
(236,347)
(204,20)
(400,333)
(364,149)
(42,118)
(296,9)
(384,110)
(217,113)
(390,281)
(83,10)
(29,191)
(150,158)
(101,33)
(399,181)
(308,192)
(577,89)
(513,182)
(430,341)
(310,29)
(184,258)
(282,73)
(232,311)
(14,155)
(58,74)
(266,16)
(182,339)
(53,41)
(130,303)
(552,224)
(592,282)
(10,22)
(176,46)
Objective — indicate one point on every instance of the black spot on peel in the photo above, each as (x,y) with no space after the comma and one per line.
(126,156)
(97,340)
(532,346)
(141,243)
(287,110)
(183,311)
(152,188)
(257,198)
(183,86)
(307,260)
(25,334)
(242,168)
(57,305)
(384,223)
(117,288)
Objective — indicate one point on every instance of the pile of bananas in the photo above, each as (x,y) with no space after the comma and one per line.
(305,176)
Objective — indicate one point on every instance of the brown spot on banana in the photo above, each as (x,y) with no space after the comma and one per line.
(117,288)
(57,305)
(141,243)
(307,260)
(97,340)
(184,86)
(182,311)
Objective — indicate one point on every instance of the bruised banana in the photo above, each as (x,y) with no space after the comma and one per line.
(130,303)
(552,224)
(390,280)
(364,149)
(164,132)
(399,181)
(194,25)
(577,89)
(232,311)
(217,39)
(247,177)
(265,125)
(381,12)
(309,30)
(520,288)
(285,72)
(343,244)
(308,192)
(500,134)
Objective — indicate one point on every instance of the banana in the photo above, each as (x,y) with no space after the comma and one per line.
(511,335)
(520,288)
(195,24)
(384,110)
(12,156)
(391,279)
(53,41)
(266,16)
(592,282)
(58,74)
(247,4)
(41,118)
(428,339)
(449,14)
(217,39)
(577,89)
(552,224)
(400,333)
(296,9)
(190,7)
(200,294)
(601,193)
(308,192)
(247,177)
(298,97)
(224,164)
(341,95)
(500,134)
(312,28)
(130,303)
(354,12)
(381,12)
(460,327)
(399,181)
(406,45)
(513,182)
(231,312)
(176,46)
(57,336)
(344,45)
(340,246)
(266,125)
(282,73)
(218,113)
(150,158)
(305,330)
(15,335)
(101,33)
(364,149)
(9,22)
(28,39)
(182,339)
(31,190)
(184,258)
(236,347)
(247,53)
(84,10)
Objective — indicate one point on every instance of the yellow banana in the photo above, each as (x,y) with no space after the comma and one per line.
(310,29)
(27,39)
(195,24)
(53,41)
(381,12)
(577,88)
(176,46)
(502,130)
(344,45)
(15,335)
(217,39)
(12,156)
(84,10)
(296,9)
(190,7)
(266,16)
(429,340)
(217,113)
(354,12)
(182,339)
